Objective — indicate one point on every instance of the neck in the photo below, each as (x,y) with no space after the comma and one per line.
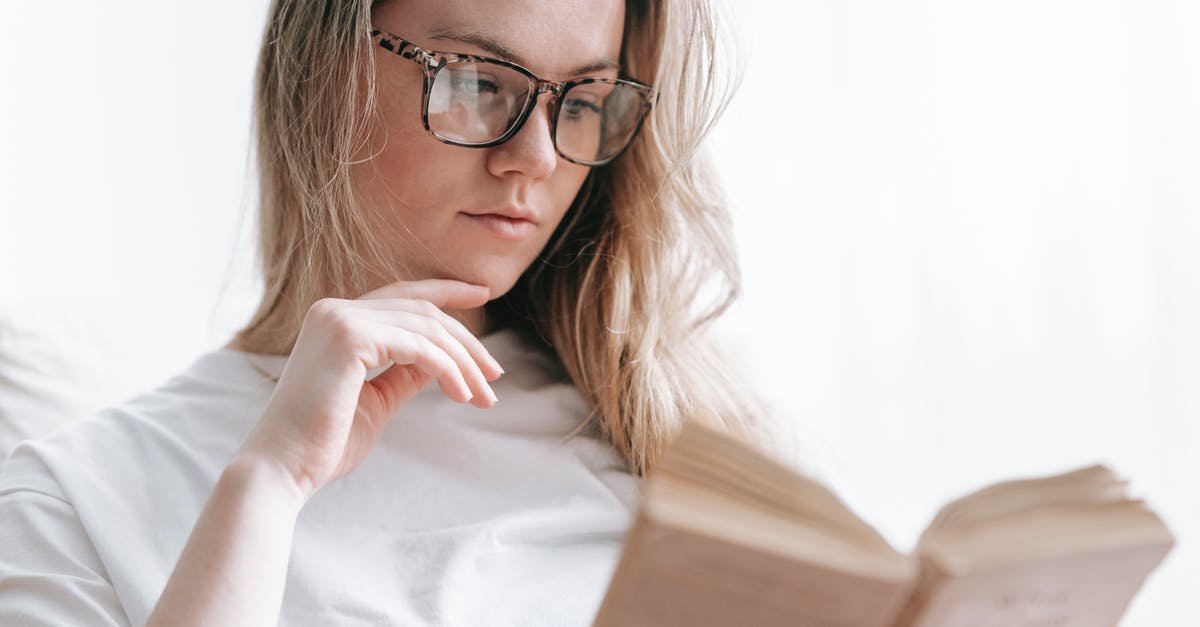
(476,320)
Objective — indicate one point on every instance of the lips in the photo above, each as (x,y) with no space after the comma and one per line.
(510,225)
(510,212)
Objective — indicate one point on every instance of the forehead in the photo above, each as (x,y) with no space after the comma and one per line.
(550,37)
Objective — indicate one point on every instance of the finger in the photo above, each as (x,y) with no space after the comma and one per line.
(432,329)
(443,293)
(407,348)
(396,386)
(478,351)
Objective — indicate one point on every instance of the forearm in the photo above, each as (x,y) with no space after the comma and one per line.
(233,568)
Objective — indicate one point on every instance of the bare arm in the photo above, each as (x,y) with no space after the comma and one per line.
(233,568)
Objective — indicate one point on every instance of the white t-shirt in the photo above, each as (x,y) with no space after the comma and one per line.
(459,516)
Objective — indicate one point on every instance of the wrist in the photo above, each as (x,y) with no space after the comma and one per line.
(266,479)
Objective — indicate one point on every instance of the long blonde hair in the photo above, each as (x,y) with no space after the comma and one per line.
(623,295)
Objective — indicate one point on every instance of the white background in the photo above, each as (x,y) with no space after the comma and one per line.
(968,228)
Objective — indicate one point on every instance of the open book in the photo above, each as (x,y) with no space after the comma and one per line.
(727,535)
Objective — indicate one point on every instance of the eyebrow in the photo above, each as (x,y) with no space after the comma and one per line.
(500,50)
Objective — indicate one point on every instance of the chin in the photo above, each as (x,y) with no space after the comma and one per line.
(499,281)
(500,288)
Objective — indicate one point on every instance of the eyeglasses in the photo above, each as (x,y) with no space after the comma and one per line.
(479,102)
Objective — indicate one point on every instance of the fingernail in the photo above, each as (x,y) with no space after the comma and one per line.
(492,394)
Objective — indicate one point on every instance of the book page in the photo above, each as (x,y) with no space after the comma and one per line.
(671,577)
(1088,590)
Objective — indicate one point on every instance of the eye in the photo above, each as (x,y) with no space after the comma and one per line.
(472,79)
(473,83)
(579,105)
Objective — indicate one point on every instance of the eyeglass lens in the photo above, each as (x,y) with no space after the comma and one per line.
(476,103)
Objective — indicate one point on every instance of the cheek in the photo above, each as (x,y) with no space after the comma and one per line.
(408,164)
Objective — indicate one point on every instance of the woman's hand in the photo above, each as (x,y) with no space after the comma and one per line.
(324,416)
(319,425)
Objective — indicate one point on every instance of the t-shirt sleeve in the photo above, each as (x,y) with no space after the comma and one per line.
(50,573)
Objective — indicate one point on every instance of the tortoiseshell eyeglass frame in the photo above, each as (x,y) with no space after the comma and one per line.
(432,62)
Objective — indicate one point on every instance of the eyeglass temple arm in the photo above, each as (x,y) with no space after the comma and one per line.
(395,44)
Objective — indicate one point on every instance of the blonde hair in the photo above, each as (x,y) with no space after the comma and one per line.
(618,295)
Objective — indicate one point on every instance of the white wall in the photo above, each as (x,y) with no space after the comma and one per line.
(124,159)
(967,227)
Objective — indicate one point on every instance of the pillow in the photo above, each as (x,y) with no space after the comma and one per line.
(61,360)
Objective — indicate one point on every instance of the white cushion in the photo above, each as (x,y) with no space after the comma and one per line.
(61,360)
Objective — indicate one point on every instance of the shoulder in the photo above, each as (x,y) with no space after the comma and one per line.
(109,500)
(47,555)
(181,431)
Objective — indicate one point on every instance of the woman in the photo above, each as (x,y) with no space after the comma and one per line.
(429,213)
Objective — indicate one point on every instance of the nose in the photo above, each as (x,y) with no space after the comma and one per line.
(530,152)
